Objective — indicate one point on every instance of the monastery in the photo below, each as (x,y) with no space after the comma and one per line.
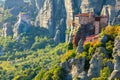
(88,25)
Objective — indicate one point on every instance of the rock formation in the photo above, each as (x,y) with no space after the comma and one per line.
(80,48)
(39,3)
(116,71)
(51,16)
(15,6)
(116,55)
(92,6)
(57,37)
(22,25)
(60,13)
(95,64)
(75,67)
(7,30)
(104,39)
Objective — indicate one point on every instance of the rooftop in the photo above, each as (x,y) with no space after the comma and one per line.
(83,15)
(92,36)
(88,14)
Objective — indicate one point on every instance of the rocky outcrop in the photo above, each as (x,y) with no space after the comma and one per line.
(60,13)
(92,6)
(15,6)
(80,48)
(116,49)
(104,39)
(72,7)
(109,9)
(75,67)
(57,37)
(39,3)
(116,20)
(7,30)
(116,71)
(52,15)
(22,25)
(95,64)
(116,55)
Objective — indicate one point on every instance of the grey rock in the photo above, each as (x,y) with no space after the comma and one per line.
(116,71)
(15,6)
(116,49)
(95,65)
(70,38)
(92,6)
(110,65)
(104,39)
(57,37)
(80,48)
(101,50)
(7,30)
(110,7)
(82,76)
(115,75)
(75,67)
(72,7)
(20,27)
(117,62)
(39,3)
(116,55)
(116,20)
(50,16)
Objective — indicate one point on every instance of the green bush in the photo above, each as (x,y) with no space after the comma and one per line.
(86,47)
(68,55)
(54,73)
(109,47)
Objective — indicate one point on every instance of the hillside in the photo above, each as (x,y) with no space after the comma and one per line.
(59,40)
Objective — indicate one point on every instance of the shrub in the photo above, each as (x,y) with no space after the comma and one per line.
(111,31)
(69,54)
(86,47)
(55,73)
(109,47)
(81,55)
(70,46)
(91,50)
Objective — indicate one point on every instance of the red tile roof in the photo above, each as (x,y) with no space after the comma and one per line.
(88,14)
(92,37)
(83,15)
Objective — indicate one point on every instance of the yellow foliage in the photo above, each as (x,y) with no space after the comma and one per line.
(95,43)
(69,54)
(81,55)
(109,30)
(112,30)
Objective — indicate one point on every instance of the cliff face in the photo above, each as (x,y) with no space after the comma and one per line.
(15,6)
(54,15)
(92,5)
(76,67)
(60,13)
